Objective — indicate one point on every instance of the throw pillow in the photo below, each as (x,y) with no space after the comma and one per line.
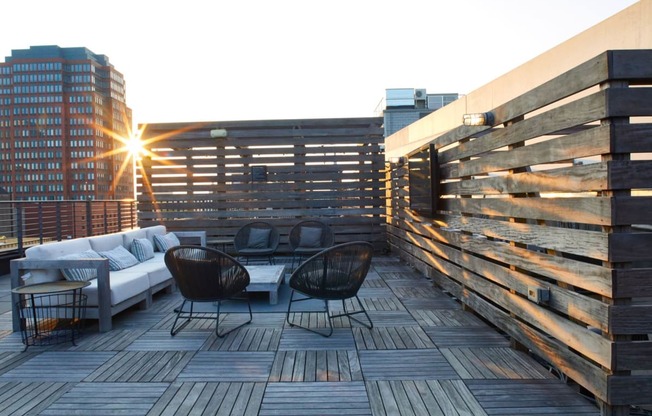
(165,242)
(310,237)
(119,258)
(80,275)
(142,249)
(258,238)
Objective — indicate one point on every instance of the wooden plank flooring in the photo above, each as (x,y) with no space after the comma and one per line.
(424,356)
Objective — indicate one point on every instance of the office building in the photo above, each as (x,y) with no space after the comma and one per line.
(403,106)
(60,110)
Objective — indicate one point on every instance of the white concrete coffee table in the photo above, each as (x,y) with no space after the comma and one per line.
(266,279)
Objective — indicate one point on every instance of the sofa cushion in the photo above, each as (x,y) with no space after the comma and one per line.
(150,232)
(129,236)
(156,270)
(105,242)
(119,258)
(124,285)
(80,274)
(142,249)
(165,242)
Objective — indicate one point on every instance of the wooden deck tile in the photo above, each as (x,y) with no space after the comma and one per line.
(228,366)
(389,318)
(318,398)
(116,340)
(422,397)
(391,338)
(142,366)
(442,302)
(531,397)
(472,336)
(373,283)
(11,360)
(427,292)
(381,304)
(446,318)
(405,365)
(107,399)
(246,339)
(271,320)
(397,273)
(210,398)
(301,339)
(375,292)
(331,365)
(14,342)
(318,319)
(141,319)
(161,340)
(481,363)
(29,398)
(58,366)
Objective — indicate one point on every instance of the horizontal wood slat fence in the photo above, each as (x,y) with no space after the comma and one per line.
(279,171)
(554,195)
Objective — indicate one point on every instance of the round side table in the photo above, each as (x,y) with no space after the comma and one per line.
(52,312)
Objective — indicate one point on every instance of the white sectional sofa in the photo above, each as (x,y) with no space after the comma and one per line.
(112,291)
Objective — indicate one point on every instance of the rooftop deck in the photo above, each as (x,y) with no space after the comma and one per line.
(425,355)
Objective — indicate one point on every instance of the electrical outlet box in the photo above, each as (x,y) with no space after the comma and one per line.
(538,294)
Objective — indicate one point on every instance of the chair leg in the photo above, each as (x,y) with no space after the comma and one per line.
(348,314)
(217,319)
(179,311)
(287,317)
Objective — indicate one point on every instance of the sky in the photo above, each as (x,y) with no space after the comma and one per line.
(222,60)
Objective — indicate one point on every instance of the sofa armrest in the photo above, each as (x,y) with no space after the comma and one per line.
(20,266)
(191,237)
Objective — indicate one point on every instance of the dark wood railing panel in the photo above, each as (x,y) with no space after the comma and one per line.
(557,194)
(27,223)
(331,169)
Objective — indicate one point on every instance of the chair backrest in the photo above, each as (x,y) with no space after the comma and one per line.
(335,273)
(326,233)
(241,239)
(204,274)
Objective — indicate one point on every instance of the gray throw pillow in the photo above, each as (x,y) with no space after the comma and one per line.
(142,249)
(81,275)
(119,258)
(258,238)
(310,237)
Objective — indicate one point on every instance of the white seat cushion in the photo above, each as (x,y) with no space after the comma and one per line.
(124,285)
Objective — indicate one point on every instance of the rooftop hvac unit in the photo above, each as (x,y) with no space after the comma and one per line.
(420,94)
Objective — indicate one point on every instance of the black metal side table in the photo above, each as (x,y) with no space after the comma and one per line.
(51,313)
(220,241)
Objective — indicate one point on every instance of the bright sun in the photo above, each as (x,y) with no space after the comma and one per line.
(134,146)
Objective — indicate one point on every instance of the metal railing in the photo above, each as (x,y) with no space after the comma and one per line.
(27,223)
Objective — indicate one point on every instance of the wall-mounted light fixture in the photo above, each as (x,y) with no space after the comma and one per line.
(397,160)
(478,119)
(215,133)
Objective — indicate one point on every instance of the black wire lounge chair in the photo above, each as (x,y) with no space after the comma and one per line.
(205,274)
(308,238)
(256,239)
(334,274)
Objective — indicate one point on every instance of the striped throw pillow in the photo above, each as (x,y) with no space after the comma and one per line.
(80,275)
(119,258)
(165,242)
(142,249)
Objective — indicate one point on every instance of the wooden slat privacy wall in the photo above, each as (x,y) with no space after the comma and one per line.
(554,195)
(279,171)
